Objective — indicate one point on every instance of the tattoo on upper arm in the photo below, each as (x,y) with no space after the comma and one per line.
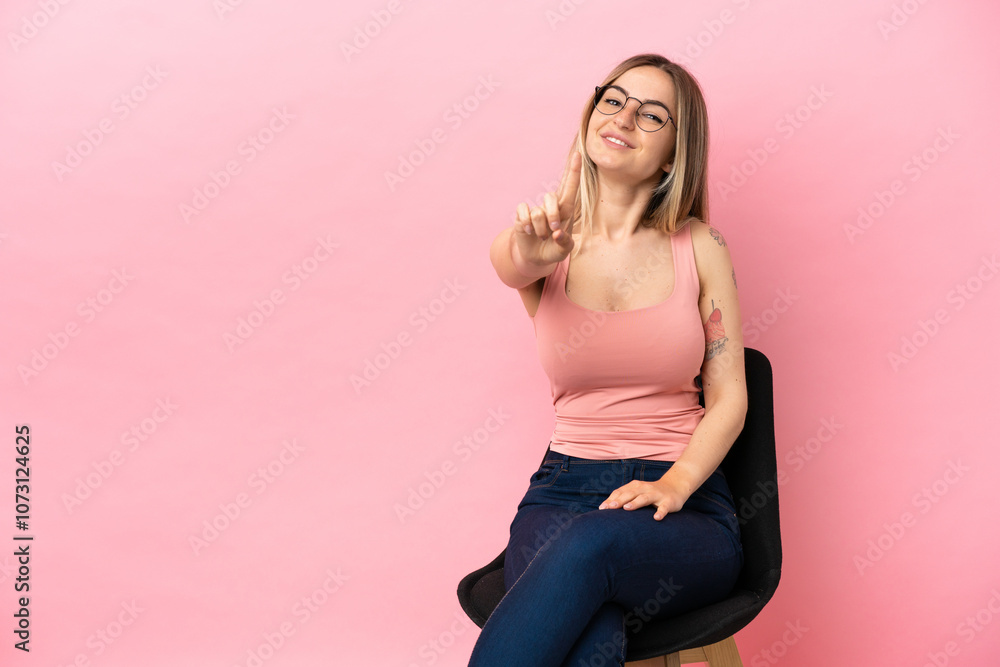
(717,235)
(715,334)
(734,279)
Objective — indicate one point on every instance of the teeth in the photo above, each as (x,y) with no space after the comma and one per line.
(617,141)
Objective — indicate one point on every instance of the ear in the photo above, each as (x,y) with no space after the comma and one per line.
(669,166)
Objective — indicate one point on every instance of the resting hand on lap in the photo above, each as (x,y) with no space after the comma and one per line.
(665,493)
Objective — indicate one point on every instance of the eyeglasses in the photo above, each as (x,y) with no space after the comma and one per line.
(610,99)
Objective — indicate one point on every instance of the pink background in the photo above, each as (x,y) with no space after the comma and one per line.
(408,286)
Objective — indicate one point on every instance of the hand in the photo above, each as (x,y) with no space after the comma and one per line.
(666,494)
(545,235)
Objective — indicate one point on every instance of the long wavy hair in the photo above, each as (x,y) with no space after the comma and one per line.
(681,194)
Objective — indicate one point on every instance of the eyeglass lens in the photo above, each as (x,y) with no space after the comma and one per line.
(649,117)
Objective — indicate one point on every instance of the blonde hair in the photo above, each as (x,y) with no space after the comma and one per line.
(680,195)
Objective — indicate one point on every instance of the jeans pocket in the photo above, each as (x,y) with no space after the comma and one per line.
(546,474)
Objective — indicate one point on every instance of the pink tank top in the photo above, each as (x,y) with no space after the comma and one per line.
(623,382)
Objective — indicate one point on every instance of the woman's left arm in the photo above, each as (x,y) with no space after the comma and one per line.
(723,373)
(723,381)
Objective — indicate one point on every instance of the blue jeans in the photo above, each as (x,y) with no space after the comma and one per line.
(579,580)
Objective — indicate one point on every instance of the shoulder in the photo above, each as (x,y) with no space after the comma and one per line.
(711,251)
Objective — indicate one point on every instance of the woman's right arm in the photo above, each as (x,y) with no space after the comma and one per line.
(510,266)
(540,237)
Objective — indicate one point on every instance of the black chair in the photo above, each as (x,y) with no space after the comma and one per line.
(706,634)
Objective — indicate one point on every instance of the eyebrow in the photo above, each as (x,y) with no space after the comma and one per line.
(615,85)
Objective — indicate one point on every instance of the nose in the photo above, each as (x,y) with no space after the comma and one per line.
(626,118)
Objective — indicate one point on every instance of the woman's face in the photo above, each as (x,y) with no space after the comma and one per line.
(648,154)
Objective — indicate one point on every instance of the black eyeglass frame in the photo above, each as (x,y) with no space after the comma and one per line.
(597,96)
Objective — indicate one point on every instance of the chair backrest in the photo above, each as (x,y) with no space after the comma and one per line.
(751,471)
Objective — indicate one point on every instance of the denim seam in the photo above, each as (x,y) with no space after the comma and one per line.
(702,494)
(514,584)
(507,592)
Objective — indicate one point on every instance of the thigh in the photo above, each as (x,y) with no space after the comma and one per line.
(653,569)
(534,527)
(698,546)
(556,497)
(688,559)
(662,568)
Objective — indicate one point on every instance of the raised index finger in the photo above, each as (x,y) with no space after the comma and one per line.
(570,183)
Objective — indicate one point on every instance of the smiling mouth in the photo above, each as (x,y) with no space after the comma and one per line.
(616,142)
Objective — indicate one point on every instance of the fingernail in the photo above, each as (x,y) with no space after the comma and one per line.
(554,224)
(601,507)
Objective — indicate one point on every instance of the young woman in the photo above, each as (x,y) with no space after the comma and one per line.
(633,297)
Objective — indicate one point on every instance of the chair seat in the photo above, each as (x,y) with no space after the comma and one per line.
(483,590)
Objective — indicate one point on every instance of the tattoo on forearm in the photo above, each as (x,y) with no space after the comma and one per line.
(715,334)
(717,235)
(734,279)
